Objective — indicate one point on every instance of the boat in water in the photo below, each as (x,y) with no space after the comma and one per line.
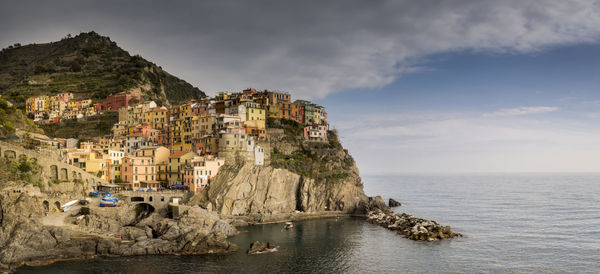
(288,225)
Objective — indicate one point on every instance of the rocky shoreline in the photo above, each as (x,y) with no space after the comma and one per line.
(411,227)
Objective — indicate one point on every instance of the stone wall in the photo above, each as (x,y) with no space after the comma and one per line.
(52,168)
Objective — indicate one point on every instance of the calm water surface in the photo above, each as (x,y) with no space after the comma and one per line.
(512,223)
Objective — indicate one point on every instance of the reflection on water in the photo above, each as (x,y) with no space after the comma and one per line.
(512,223)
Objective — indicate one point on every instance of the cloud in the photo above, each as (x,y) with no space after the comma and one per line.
(310,48)
(454,142)
(520,111)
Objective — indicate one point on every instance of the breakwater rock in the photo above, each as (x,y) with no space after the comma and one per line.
(259,247)
(411,227)
(393,203)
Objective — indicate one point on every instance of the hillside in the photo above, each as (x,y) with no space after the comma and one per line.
(89,66)
(12,119)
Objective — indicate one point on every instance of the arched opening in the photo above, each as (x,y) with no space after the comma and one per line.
(73,175)
(46,206)
(150,198)
(143,210)
(137,199)
(57,205)
(79,175)
(63,174)
(10,154)
(53,172)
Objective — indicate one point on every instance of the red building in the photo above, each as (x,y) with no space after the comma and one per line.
(117,101)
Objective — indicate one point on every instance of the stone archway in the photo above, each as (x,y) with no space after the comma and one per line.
(10,154)
(57,205)
(46,206)
(64,174)
(53,172)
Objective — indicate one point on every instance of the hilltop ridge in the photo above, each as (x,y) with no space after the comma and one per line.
(88,65)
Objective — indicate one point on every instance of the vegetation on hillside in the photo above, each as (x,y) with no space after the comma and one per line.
(88,65)
(12,118)
(324,162)
(86,128)
(21,169)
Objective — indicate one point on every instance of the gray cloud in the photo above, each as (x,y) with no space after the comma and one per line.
(311,48)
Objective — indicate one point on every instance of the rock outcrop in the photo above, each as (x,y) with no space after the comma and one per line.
(411,227)
(253,190)
(304,177)
(26,239)
(393,203)
(259,247)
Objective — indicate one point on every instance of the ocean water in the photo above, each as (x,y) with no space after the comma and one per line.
(512,224)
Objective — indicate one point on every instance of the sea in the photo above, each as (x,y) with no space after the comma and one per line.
(512,223)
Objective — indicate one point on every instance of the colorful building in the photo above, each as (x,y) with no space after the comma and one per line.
(316,133)
(139,172)
(197,175)
(177,161)
(118,101)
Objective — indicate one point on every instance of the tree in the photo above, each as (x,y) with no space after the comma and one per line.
(133,101)
(75,67)
(118,181)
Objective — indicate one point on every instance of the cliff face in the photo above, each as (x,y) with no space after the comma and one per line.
(27,236)
(304,177)
(256,189)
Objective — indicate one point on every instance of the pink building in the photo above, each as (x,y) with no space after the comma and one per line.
(316,133)
(117,101)
(139,172)
(198,174)
(65,97)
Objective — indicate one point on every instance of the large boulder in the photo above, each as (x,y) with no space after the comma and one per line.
(259,247)
(393,203)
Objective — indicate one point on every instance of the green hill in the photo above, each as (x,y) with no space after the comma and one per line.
(89,66)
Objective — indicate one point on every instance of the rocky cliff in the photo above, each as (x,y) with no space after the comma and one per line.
(28,236)
(301,178)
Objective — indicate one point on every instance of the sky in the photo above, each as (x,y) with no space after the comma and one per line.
(412,86)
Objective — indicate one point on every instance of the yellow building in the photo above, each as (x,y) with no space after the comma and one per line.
(175,166)
(30,105)
(158,117)
(255,112)
(157,153)
(255,120)
(163,175)
(181,135)
(273,111)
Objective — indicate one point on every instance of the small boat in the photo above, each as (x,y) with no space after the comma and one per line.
(288,225)
(113,204)
(110,198)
